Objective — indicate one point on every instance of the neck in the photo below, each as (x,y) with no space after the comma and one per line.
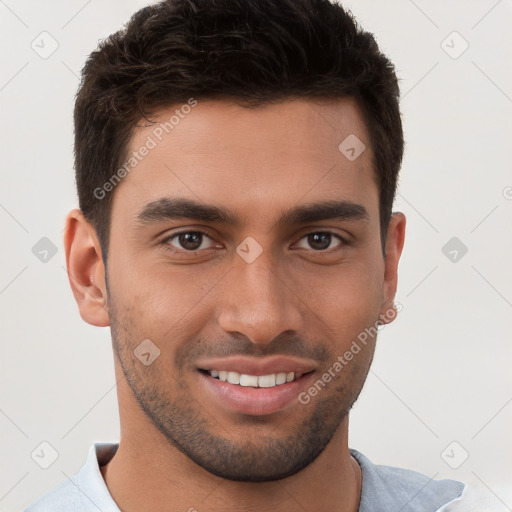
(171,481)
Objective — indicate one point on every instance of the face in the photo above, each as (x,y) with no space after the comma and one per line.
(246,246)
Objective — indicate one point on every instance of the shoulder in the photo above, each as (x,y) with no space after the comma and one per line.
(64,496)
(388,489)
(85,490)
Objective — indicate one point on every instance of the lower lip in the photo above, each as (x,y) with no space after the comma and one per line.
(255,401)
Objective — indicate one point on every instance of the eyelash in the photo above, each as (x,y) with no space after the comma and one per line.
(165,241)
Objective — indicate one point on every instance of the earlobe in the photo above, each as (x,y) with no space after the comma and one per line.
(394,245)
(85,268)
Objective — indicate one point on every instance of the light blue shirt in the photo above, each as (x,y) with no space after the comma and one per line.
(384,488)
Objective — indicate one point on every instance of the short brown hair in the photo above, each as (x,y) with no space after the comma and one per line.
(252,51)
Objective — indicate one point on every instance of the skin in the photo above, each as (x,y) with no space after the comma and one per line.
(293,300)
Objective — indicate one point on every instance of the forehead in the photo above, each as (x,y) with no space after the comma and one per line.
(255,159)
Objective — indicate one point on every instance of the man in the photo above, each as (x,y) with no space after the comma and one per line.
(236,166)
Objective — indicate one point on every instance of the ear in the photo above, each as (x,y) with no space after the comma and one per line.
(394,245)
(86,271)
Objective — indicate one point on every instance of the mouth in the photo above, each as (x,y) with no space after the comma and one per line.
(254,386)
(255,381)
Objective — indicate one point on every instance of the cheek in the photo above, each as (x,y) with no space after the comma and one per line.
(347,296)
(162,288)
(350,306)
(348,301)
(167,304)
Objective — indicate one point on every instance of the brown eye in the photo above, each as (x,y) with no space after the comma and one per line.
(187,240)
(321,240)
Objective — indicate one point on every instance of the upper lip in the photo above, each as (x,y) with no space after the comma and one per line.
(259,365)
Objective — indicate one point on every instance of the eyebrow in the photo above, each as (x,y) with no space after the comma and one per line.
(167,208)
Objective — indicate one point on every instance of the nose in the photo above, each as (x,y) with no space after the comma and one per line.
(259,301)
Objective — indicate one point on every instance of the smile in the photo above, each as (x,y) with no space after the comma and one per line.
(255,381)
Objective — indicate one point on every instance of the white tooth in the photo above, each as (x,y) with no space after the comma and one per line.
(248,380)
(223,375)
(214,373)
(290,376)
(280,378)
(233,378)
(267,381)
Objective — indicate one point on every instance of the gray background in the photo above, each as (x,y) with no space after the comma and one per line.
(440,387)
